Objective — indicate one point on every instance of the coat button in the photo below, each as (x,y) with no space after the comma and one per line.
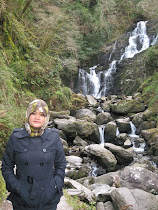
(42,188)
(44,150)
(41,164)
(26,164)
(25,150)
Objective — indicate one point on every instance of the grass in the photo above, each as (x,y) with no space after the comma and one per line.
(77,204)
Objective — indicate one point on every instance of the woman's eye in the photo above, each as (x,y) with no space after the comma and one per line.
(33,113)
(42,114)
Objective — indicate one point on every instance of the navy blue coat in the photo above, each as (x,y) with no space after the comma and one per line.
(40,169)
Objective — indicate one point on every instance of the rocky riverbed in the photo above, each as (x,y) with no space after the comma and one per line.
(111,147)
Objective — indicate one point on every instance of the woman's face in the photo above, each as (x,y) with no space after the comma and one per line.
(37,119)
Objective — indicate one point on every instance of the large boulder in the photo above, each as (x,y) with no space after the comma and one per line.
(138,177)
(123,125)
(104,157)
(73,127)
(121,154)
(127,106)
(133,199)
(110,131)
(103,118)
(85,114)
(151,136)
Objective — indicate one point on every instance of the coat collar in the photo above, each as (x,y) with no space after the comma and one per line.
(21,133)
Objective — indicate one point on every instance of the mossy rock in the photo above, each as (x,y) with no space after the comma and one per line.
(127,106)
(78,101)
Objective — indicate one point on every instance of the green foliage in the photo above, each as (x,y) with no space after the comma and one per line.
(151,60)
(2,188)
(77,204)
(149,93)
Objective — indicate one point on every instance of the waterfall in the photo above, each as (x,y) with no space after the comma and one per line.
(101,132)
(97,83)
(94,171)
(117,131)
(154,41)
(134,137)
(133,130)
(138,41)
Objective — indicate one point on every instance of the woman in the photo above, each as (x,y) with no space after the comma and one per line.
(38,155)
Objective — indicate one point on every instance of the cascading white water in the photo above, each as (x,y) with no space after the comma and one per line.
(117,132)
(101,132)
(154,41)
(133,130)
(98,83)
(138,39)
(140,148)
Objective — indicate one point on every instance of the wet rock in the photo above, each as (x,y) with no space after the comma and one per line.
(110,131)
(103,118)
(120,139)
(127,144)
(123,125)
(121,154)
(103,156)
(137,119)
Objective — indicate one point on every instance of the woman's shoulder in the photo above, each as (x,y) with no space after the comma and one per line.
(19,132)
(49,132)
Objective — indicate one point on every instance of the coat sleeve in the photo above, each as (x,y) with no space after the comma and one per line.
(8,164)
(59,165)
